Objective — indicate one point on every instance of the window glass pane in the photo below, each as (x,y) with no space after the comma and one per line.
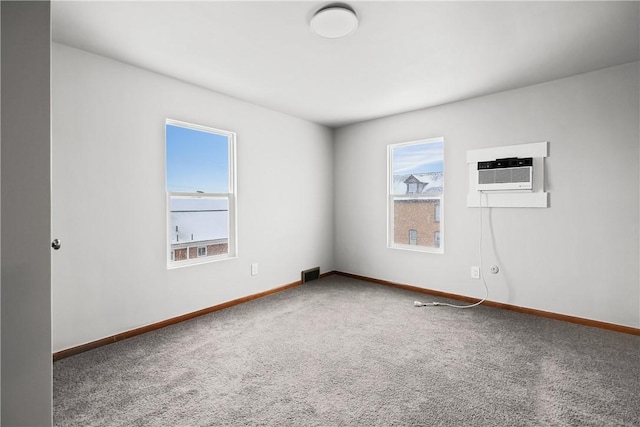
(197,161)
(414,222)
(416,184)
(417,168)
(199,220)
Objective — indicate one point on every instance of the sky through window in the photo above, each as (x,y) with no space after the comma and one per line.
(197,161)
(418,158)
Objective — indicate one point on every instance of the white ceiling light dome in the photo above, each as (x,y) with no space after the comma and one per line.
(335,21)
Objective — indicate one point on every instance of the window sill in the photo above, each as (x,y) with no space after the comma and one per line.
(172,265)
(415,248)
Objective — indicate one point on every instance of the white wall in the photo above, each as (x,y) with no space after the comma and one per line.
(26,234)
(109,198)
(579,257)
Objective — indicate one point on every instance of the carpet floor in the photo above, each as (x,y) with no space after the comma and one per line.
(343,352)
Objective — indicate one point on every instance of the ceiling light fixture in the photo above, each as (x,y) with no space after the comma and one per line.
(335,21)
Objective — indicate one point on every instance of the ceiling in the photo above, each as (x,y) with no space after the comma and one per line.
(404,55)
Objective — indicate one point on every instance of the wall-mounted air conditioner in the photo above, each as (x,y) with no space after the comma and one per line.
(506,174)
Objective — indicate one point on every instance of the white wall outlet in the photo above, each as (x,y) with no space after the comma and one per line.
(475,272)
(254,268)
(494,269)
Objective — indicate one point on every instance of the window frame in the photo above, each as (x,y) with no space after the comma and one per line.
(231,196)
(391,198)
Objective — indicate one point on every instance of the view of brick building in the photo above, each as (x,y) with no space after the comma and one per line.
(190,250)
(417,222)
(416,209)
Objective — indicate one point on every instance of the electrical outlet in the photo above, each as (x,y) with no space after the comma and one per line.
(475,272)
(254,268)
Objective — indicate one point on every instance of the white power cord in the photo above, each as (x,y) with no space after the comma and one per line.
(486,287)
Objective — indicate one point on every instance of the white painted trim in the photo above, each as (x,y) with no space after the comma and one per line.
(201,128)
(416,248)
(508,200)
(533,149)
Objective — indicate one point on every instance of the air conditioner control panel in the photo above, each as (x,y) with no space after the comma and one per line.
(509,162)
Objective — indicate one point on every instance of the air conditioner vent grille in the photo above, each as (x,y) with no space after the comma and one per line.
(518,178)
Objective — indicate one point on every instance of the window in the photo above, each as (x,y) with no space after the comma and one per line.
(413,237)
(416,190)
(200,185)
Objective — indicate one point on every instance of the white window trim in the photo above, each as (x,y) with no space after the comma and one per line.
(231,196)
(391,198)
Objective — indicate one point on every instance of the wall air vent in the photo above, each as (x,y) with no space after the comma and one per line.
(506,174)
(311,274)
